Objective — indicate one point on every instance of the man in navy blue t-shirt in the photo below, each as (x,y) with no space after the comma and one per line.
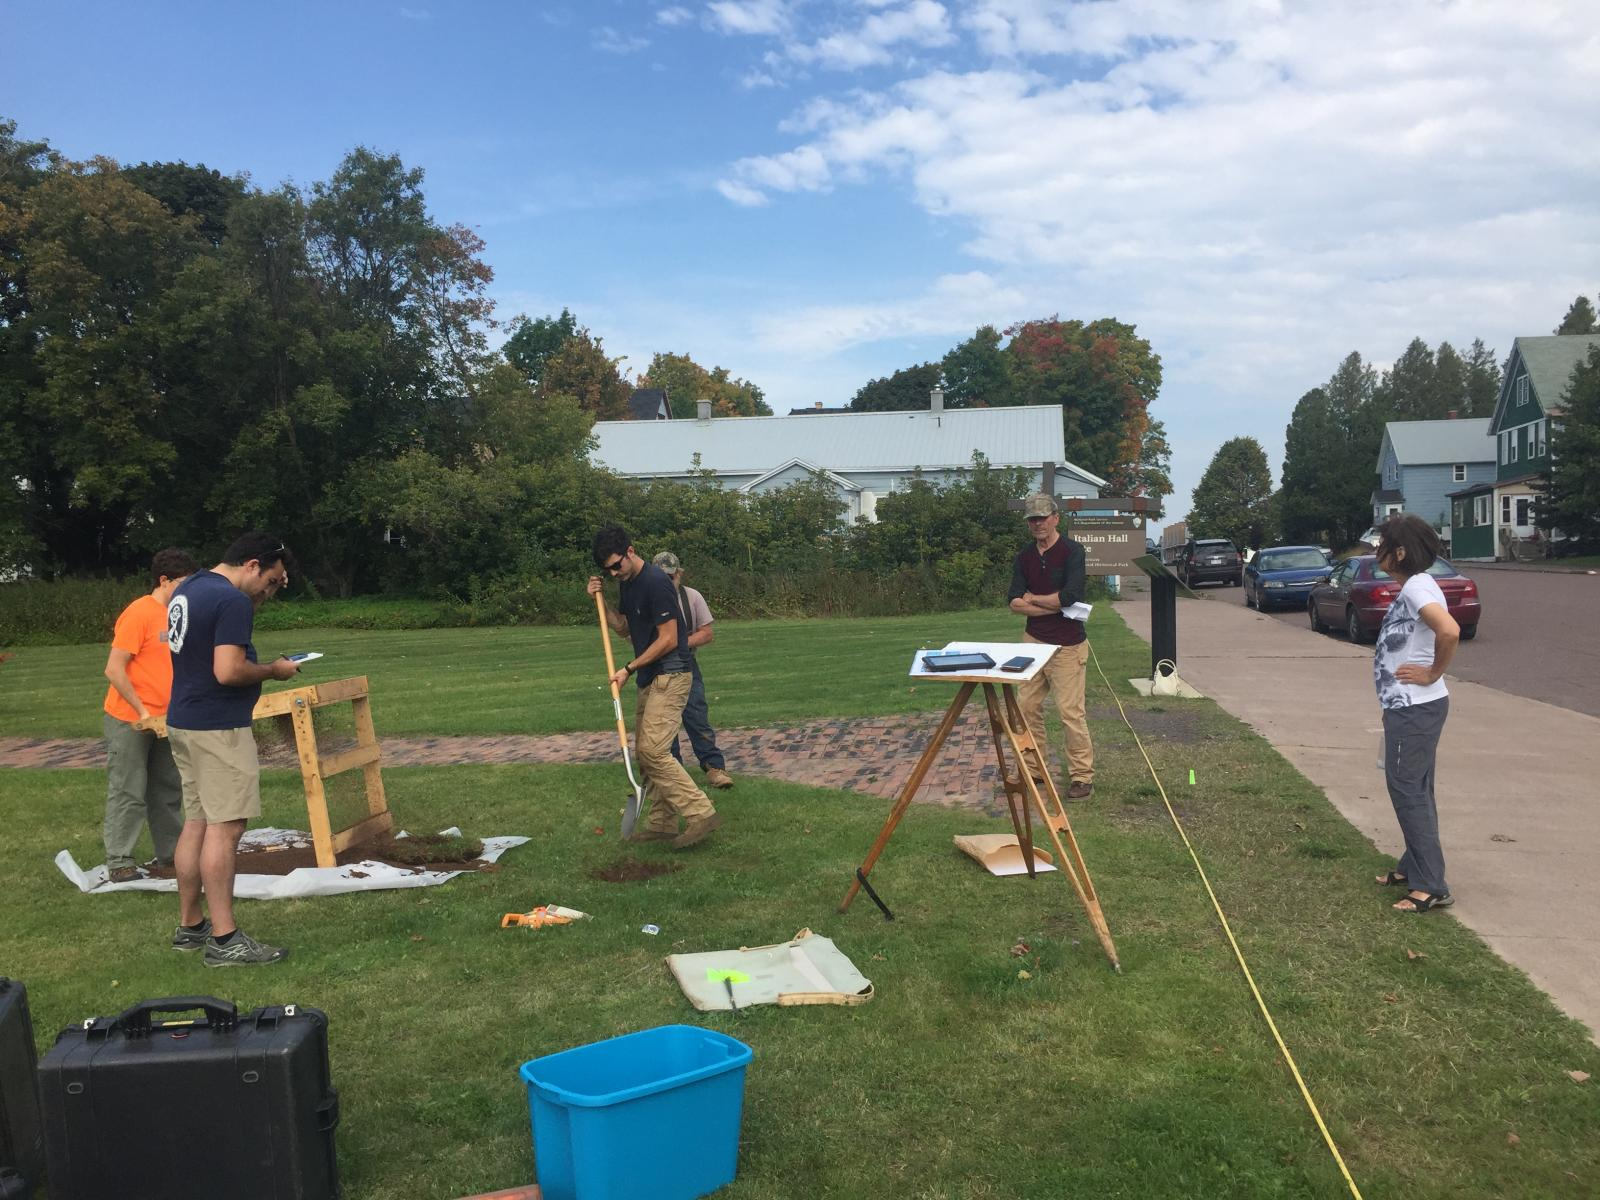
(652,618)
(216,681)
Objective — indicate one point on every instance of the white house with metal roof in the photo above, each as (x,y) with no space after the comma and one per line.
(1422,462)
(864,455)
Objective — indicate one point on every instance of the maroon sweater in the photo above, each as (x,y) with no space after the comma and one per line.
(1059,570)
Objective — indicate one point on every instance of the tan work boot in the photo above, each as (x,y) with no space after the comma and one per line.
(1080,790)
(718,778)
(696,831)
(652,835)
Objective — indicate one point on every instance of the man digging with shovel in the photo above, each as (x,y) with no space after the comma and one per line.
(651,617)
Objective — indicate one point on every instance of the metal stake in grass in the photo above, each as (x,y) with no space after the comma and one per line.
(635,801)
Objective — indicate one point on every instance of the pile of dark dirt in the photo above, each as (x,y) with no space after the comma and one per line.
(422,852)
(629,870)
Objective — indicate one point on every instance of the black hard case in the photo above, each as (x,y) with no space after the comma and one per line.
(224,1104)
(21,1142)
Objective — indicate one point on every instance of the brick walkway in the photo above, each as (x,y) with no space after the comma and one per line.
(871,756)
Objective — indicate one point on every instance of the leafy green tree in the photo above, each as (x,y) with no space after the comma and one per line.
(1231,498)
(1153,478)
(1449,382)
(1104,377)
(1355,408)
(1407,391)
(1580,318)
(533,342)
(1312,454)
(978,372)
(582,370)
(1482,380)
(907,390)
(1572,482)
(688,383)
(191,191)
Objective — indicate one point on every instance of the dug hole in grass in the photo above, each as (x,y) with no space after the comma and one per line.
(962,1078)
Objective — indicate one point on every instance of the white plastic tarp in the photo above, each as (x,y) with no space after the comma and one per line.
(304,881)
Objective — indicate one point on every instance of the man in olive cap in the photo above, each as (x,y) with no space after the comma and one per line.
(697,619)
(1048,576)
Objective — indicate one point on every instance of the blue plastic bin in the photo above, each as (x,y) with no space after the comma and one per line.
(650,1114)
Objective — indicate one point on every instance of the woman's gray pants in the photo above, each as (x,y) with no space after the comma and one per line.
(1411,743)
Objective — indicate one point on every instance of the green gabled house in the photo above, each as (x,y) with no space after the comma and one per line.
(1489,519)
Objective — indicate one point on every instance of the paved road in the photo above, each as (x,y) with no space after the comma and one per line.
(1539,638)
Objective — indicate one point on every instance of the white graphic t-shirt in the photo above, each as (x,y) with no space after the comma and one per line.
(1405,638)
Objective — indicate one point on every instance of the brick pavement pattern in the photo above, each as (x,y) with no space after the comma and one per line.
(871,756)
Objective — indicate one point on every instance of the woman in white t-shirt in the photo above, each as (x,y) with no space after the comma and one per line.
(1416,642)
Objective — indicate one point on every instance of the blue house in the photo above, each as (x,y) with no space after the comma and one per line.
(1422,463)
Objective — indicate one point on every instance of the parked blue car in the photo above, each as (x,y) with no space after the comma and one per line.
(1283,576)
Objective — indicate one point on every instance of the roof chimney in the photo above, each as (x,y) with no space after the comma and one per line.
(702,410)
(1451,415)
(817,404)
(936,400)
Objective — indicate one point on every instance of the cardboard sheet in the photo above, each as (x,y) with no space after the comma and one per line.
(806,969)
(1001,853)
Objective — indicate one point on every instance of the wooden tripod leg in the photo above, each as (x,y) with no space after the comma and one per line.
(1016,796)
(1071,864)
(1032,750)
(918,773)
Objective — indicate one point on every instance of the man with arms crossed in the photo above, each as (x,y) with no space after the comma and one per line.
(141,778)
(651,617)
(1047,577)
(696,713)
(215,684)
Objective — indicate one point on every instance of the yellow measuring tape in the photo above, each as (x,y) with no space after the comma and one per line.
(1305,1092)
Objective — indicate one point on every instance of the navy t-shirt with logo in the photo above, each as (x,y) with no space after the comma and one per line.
(206,612)
(646,600)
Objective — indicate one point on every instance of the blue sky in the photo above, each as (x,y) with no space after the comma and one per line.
(815,192)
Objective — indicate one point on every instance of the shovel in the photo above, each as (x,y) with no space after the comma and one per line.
(635,803)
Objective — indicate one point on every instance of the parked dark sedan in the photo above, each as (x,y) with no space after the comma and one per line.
(1357,594)
(1282,576)
(1209,560)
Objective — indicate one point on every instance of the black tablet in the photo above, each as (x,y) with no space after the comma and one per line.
(949,660)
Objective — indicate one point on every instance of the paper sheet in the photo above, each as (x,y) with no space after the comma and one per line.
(1077,612)
(305,881)
(1037,653)
(1001,853)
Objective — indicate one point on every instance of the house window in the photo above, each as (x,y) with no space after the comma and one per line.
(1524,503)
(1522,390)
(1538,433)
(1511,445)
(1500,447)
(1480,509)
(1459,472)
(1459,512)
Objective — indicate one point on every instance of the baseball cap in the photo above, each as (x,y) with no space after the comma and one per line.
(1040,504)
(668,562)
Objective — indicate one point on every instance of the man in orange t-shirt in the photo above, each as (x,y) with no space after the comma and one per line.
(142,780)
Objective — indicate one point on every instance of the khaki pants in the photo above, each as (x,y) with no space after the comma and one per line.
(1063,677)
(142,784)
(667,787)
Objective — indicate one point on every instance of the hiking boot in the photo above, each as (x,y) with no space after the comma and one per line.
(242,951)
(652,835)
(718,778)
(1080,790)
(696,831)
(127,874)
(184,938)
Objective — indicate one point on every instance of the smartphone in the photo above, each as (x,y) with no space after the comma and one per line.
(308,656)
(1020,663)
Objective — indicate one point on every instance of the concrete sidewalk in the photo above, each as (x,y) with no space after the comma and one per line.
(1518,786)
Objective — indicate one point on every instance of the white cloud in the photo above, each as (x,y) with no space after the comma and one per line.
(1261,187)
(612,41)
(752,17)
(673,16)
(954,306)
(416,14)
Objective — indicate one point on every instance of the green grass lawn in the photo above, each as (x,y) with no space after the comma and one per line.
(545,679)
(960,1079)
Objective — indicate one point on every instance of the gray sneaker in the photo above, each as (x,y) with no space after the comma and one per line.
(242,951)
(184,938)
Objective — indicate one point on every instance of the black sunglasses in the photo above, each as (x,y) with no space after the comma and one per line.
(613,568)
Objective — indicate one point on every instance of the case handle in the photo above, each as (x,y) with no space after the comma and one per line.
(135,1021)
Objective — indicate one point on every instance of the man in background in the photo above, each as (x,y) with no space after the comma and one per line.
(1048,576)
(696,713)
(142,783)
(649,614)
(216,682)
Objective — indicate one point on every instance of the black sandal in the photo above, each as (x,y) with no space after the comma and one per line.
(1392,879)
(1431,901)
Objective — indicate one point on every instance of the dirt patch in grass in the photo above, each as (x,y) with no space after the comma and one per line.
(1172,725)
(422,852)
(628,870)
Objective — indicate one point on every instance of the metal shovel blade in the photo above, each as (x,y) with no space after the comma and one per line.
(630,813)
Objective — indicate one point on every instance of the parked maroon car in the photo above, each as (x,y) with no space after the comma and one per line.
(1357,594)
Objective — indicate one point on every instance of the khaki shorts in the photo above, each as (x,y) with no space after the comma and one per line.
(221,775)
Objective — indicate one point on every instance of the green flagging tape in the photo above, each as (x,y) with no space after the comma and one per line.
(717,976)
